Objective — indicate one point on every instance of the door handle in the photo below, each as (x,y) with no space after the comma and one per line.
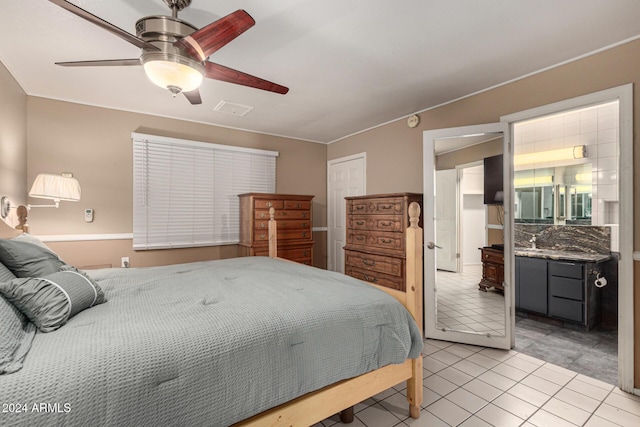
(432,245)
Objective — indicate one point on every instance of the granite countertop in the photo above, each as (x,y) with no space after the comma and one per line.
(561,255)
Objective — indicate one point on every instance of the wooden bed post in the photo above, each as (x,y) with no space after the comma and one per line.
(273,233)
(414,302)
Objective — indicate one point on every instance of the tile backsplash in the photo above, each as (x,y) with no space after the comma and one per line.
(579,238)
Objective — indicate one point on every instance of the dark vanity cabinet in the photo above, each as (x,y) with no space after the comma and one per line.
(531,284)
(563,290)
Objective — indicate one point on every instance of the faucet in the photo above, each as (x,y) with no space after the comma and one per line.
(533,242)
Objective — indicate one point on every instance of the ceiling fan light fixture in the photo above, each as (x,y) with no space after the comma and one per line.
(173,72)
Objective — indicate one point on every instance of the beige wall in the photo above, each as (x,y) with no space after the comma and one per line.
(403,168)
(13,141)
(95,145)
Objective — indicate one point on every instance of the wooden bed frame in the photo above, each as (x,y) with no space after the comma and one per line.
(314,407)
(342,396)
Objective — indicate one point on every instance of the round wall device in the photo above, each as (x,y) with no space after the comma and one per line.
(413,121)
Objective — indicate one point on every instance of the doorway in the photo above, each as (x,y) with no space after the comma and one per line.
(346,177)
(458,308)
(566,182)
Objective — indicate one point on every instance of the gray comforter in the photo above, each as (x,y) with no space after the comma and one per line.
(207,343)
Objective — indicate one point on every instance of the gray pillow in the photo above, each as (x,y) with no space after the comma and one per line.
(28,260)
(50,301)
(26,237)
(5,274)
(16,332)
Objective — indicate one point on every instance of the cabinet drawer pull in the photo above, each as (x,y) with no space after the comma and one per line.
(368,262)
(386,207)
(386,223)
(262,225)
(360,222)
(304,224)
(263,215)
(269,204)
(304,234)
(304,215)
(386,240)
(361,238)
(263,236)
(359,207)
(370,279)
(298,205)
(305,253)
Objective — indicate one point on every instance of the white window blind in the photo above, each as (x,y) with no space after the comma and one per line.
(185,193)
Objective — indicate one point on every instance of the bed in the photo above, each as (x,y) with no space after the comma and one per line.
(249,341)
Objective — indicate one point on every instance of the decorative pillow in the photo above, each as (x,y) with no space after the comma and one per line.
(5,274)
(26,237)
(16,332)
(28,260)
(50,301)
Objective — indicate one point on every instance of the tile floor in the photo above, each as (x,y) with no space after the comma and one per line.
(476,386)
(464,307)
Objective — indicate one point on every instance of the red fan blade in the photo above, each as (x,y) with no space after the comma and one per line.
(226,74)
(193,97)
(104,24)
(100,63)
(209,39)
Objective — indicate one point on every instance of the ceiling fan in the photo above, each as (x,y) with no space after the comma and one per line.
(175,53)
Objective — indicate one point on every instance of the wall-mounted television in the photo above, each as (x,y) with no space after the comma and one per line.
(493,178)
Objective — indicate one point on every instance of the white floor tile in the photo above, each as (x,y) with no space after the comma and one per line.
(510,372)
(529,394)
(427,419)
(578,400)
(377,416)
(440,385)
(475,422)
(482,389)
(617,415)
(541,384)
(449,412)
(498,416)
(467,400)
(470,368)
(587,389)
(497,380)
(624,403)
(516,406)
(566,411)
(455,376)
(596,421)
(547,419)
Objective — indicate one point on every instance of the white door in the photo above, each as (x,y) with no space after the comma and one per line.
(346,176)
(451,303)
(446,220)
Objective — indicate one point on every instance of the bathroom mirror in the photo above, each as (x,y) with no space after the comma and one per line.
(553,195)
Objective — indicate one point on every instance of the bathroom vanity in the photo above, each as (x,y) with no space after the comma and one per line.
(559,284)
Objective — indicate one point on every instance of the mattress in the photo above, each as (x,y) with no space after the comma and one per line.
(208,343)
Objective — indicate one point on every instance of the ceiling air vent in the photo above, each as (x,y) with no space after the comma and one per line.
(232,108)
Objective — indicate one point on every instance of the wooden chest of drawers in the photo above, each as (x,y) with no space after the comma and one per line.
(492,269)
(375,250)
(293,215)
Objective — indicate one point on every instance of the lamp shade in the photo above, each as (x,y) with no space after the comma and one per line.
(55,187)
(173,72)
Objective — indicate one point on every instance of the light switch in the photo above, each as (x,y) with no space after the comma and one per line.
(88,215)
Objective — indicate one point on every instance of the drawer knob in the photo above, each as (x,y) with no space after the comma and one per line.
(298,205)
(305,253)
(368,262)
(263,215)
(304,224)
(386,207)
(304,234)
(263,236)
(360,222)
(269,204)
(359,207)
(304,215)
(370,279)
(262,225)
(386,223)
(386,240)
(361,238)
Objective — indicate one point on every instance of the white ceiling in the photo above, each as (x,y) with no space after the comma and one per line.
(350,64)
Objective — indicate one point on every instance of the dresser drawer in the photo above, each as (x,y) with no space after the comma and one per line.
(284,224)
(376,239)
(302,255)
(281,214)
(380,264)
(496,257)
(376,222)
(263,235)
(393,206)
(266,204)
(376,278)
(297,204)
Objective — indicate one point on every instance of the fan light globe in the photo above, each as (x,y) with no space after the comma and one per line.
(172,75)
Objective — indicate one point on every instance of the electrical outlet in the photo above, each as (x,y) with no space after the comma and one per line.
(88,215)
(124,262)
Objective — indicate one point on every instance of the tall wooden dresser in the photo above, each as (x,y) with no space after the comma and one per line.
(294,218)
(376,247)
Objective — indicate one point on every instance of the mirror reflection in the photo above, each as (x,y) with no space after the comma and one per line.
(468,227)
(560,195)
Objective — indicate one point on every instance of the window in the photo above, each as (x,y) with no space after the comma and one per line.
(185,193)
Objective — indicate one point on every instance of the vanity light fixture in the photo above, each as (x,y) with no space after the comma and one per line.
(533,180)
(570,153)
(55,187)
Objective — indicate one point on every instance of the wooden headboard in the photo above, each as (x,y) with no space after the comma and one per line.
(8,232)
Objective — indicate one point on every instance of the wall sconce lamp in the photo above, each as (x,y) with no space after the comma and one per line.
(55,187)
(570,153)
(48,186)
